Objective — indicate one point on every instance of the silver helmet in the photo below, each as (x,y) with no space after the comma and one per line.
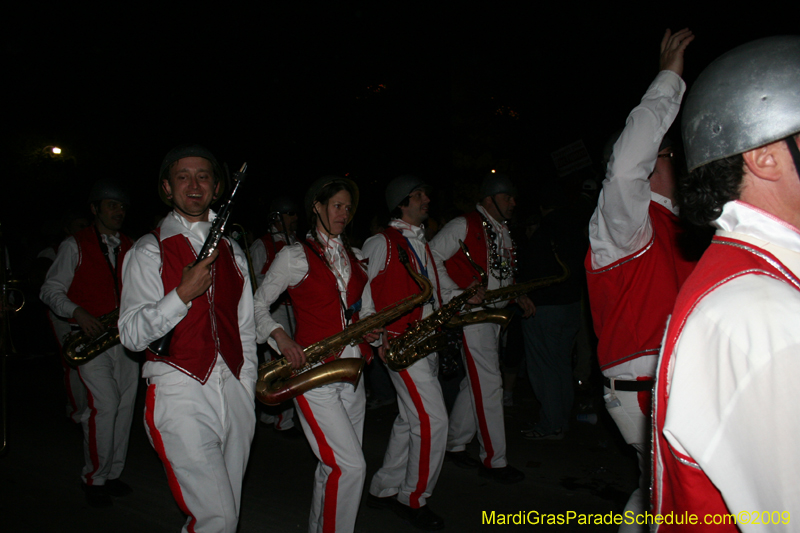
(400,187)
(496,183)
(746,98)
(107,188)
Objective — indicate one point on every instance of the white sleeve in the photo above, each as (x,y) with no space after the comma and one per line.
(258,256)
(146,314)
(444,246)
(621,225)
(289,268)
(59,278)
(375,250)
(247,326)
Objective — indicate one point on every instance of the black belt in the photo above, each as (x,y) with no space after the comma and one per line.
(631,386)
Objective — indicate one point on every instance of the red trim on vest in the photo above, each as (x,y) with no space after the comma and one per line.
(631,298)
(458,267)
(425,440)
(93,285)
(329,459)
(393,283)
(206,330)
(677,486)
(158,445)
(272,248)
(317,307)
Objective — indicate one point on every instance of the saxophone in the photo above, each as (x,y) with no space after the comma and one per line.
(79,348)
(421,338)
(278,382)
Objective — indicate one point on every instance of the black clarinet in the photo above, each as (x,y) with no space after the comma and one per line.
(160,347)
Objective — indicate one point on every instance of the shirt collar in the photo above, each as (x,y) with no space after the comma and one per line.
(666,202)
(741,217)
(409,230)
(497,225)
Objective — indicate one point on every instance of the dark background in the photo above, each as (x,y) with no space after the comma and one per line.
(367,91)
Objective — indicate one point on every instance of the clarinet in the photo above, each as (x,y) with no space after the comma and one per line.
(160,347)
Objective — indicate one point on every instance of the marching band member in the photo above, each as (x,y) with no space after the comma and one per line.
(416,448)
(82,285)
(325,280)
(199,412)
(282,231)
(479,404)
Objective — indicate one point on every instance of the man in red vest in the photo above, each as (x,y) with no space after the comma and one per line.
(635,265)
(479,405)
(726,430)
(82,285)
(283,231)
(416,448)
(200,406)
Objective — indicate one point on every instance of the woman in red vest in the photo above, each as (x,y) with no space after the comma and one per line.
(325,280)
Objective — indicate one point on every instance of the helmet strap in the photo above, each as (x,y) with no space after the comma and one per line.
(792,144)
(502,215)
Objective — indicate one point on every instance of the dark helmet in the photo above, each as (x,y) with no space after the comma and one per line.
(107,188)
(746,98)
(496,183)
(188,150)
(282,204)
(400,187)
(321,183)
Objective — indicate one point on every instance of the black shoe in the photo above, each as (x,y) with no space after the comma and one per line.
(462,459)
(117,488)
(506,475)
(97,495)
(422,518)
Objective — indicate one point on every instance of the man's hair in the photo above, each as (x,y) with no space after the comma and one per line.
(704,192)
(397,212)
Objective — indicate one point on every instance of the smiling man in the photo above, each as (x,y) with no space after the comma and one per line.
(199,411)
(82,285)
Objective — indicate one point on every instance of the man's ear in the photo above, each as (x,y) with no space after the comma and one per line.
(167,188)
(216,189)
(763,162)
(93,208)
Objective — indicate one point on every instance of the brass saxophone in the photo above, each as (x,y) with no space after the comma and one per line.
(79,348)
(278,382)
(421,338)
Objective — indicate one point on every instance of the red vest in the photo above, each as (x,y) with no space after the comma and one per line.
(393,283)
(317,306)
(678,486)
(93,286)
(458,267)
(272,250)
(631,298)
(207,329)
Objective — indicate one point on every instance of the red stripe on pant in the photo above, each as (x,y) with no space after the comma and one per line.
(92,431)
(425,440)
(328,458)
(477,395)
(158,445)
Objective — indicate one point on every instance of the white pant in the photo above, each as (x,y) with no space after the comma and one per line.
(110,381)
(626,411)
(76,392)
(416,448)
(479,404)
(202,433)
(332,417)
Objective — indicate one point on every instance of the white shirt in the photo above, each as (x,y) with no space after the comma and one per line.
(61,273)
(621,223)
(732,384)
(289,268)
(258,252)
(147,314)
(445,245)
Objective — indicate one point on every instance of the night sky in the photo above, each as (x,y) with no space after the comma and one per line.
(370,91)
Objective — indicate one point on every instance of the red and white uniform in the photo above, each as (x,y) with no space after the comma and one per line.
(417,444)
(332,416)
(634,267)
(199,411)
(479,405)
(81,276)
(262,253)
(726,430)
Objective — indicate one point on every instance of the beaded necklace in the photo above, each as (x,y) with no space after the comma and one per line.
(501,268)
